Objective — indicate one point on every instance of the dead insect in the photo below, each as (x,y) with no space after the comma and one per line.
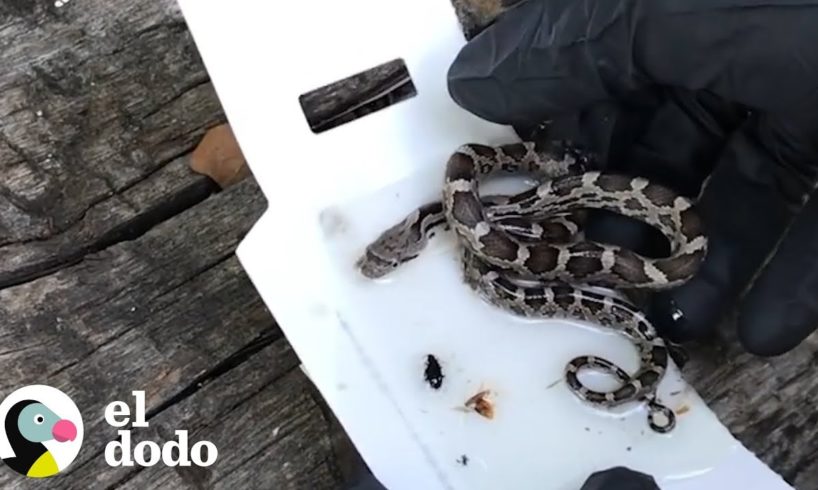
(481,404)
(433,372)
(463,460)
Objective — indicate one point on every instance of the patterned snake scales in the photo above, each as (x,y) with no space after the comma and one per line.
(525,253)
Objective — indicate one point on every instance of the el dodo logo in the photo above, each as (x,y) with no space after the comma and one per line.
(178,452)
(41,431)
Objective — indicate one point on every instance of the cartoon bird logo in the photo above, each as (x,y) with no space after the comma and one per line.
(28,425)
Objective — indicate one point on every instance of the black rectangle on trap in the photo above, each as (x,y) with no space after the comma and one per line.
(356,96)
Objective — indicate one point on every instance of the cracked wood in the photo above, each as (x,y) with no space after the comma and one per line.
(98,104)
(118,269)
(172,312)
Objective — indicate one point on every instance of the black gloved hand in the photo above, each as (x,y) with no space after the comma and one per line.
(677,91)
(619,478)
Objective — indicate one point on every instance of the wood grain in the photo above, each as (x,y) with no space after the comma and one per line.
(96,99)
(118,269)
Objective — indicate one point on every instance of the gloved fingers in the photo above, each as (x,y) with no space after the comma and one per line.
(533,62)
(549,58)
(680,145)
(781,308)
(546,58)
(676,145)
(749,201)
(620,478)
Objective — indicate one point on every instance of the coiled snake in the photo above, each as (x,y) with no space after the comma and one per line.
(525,253)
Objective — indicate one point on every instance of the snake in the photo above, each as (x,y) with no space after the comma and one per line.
(526,253)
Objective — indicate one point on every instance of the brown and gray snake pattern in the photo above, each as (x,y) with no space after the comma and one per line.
(526,253)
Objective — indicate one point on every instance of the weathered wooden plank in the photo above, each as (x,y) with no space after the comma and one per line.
(99,106)
(768,404)
(83,307)
(149,313)
(95,97)
(268,430)
(125,214)
(173,313)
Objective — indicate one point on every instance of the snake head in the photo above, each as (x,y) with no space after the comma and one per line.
(397,245)
(375,263)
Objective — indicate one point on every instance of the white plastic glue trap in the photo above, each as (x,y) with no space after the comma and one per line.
(364,343)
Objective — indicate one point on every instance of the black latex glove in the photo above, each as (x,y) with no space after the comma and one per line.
(678,90)
(618,478)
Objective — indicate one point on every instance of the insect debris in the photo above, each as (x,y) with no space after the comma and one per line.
(481,404)
(433,374)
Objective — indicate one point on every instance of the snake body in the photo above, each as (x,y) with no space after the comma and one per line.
(525,253)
